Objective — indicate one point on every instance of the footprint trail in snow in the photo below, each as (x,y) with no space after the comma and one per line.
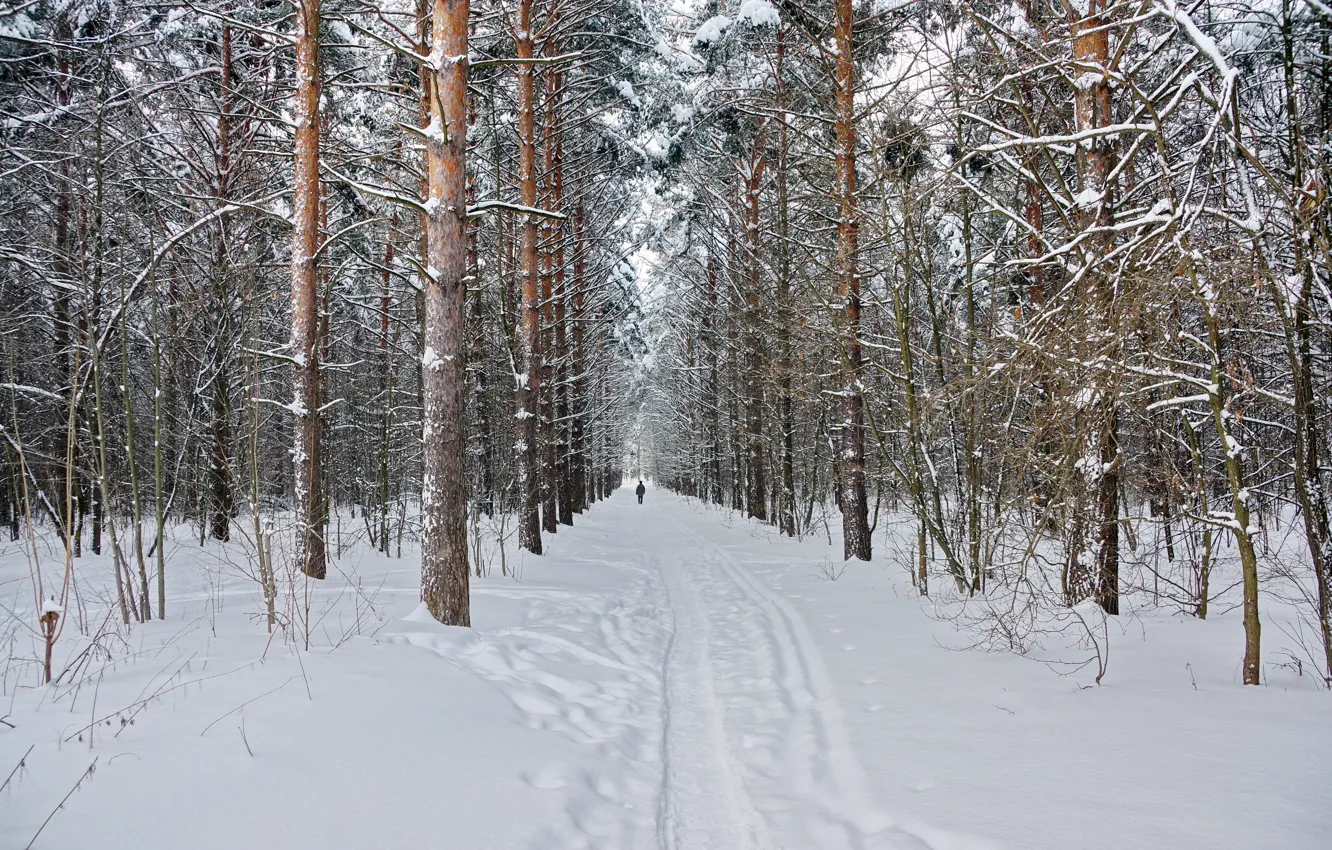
(709,719)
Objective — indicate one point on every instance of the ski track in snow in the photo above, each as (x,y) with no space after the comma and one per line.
(703,804)
(658,685)
(780,712)
(712,719)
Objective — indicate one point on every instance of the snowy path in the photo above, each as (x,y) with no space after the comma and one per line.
(779,711)
(667,677)
(704,804)
(753,751)
(710,718)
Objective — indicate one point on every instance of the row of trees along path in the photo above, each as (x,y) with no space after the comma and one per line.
(1049,280)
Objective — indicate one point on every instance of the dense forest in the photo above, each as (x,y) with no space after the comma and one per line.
(1035,293)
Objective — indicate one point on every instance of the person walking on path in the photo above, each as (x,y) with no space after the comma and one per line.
(640,490)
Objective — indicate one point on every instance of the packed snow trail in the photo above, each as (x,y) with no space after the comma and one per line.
(800,785)
(781,713)
(636,688)
(704,804)
(667,676)
(752,751)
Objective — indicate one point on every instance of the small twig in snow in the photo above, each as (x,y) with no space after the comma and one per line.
(247,702)
(61,804)
(23,762)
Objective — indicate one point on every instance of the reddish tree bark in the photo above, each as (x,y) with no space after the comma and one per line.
(550,352)
(854,503)
(1096,161)
(529,336)
(444,572)
(557,357)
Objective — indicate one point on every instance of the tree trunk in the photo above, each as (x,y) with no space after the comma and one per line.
(62,266)
(560,360)
(159,485)
(386,376)
(854,504)
(755,462)
(1097,490)
(579,401)
(529,338)
(221,497)
(712,393)
(1296,317)
(786,498)
(444,571)
(549,352)
(131,459)
(310,549)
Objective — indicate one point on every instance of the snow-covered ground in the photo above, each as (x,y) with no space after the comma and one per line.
(667,676)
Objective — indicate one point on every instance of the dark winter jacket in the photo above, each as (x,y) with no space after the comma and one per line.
(640,489)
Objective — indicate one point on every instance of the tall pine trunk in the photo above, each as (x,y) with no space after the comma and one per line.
(444,572)
(1096,573)
(786,515)
(559,430)
(756,480)
(529,336)
(549,352)
(851,463)
(310,551)
(579,400)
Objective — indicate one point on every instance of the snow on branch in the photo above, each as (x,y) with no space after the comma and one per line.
(343,232)
(482,207)
(534,60)
(1179,401)
(238,23)
(1064,139)
(37,391)
(376,192)
(759,13)
(132,291)
(1320,8)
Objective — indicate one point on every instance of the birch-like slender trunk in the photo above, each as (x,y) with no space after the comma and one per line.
(263,552)
(131,459)
(91,332)
(159,486)
(123,593)
(1236,476)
